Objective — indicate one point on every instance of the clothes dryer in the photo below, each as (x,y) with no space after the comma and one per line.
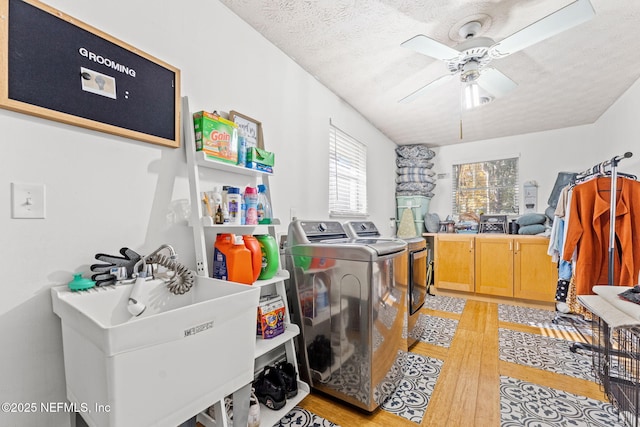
(412,273)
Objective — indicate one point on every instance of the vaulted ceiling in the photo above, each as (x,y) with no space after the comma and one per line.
(353,48)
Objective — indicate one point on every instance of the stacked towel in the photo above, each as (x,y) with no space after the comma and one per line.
(415,177)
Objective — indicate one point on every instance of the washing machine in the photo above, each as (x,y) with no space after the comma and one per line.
(344,296)
(412,274)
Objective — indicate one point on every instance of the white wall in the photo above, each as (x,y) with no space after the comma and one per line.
(544,154)
(105,192)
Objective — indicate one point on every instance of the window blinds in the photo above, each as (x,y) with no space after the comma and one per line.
(347,174)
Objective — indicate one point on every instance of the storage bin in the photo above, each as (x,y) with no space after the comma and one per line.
(418,204)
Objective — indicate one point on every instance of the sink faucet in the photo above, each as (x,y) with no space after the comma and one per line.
(134,305)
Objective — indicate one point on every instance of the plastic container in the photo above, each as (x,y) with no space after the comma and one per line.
(264,207)
(251,243)
(225,204)
(251,200)
(239,263)
(270,256)
(234,201)
(215,199)
(242,148)
(321,294)
(222,249)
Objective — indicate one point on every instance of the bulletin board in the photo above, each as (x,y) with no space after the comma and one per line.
(56,67)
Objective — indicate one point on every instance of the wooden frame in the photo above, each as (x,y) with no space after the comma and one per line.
(252,128)
(62,104)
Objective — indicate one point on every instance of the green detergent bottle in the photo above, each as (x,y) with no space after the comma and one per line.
(270,256)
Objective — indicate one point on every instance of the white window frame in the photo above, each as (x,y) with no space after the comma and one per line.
(487,187)
(347,175)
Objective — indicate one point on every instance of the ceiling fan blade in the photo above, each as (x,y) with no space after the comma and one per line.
(440,81)
(426,46)
(495,83)
(568,17)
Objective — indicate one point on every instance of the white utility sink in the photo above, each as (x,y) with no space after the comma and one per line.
(159,369)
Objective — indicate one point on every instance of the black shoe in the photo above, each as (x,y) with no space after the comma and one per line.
(288,375)
(270,389)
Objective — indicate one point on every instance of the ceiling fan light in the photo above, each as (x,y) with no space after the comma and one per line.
(471,95)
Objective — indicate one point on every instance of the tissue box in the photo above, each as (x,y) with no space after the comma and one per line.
(270,316)
(260,156)
(217,137)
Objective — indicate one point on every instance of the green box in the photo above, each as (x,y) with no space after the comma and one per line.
(258,155)
(216,136)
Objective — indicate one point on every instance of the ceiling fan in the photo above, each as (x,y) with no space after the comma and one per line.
(469,59)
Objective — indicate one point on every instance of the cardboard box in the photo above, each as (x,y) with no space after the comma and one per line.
(260,156)
(271,312)
(216,136)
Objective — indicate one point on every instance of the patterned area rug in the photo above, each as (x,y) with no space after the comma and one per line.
(437,330)
(444,303)
(299,417)
(542,319)
(526,404)
(548,353)
(411,398)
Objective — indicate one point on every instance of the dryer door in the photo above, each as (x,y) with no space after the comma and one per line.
(418,279)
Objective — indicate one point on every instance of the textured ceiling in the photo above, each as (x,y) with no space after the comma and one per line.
(353,48)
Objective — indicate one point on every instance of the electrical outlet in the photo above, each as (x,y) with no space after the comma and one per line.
(27,200)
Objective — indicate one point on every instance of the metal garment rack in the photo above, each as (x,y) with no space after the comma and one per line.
(600,168)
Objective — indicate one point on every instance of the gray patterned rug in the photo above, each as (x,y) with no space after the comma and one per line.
(547,353)
(526,404)
(299,417)
(412,396)
(436,330)
(542,319)
(444,303)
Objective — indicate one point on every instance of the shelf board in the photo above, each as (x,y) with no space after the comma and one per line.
(204,161)
(207,221)
(264,346)
(279,277)
(268,417)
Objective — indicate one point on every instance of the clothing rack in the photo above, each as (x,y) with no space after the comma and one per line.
(601,169)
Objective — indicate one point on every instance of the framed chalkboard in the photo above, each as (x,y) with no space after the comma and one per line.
(56,67)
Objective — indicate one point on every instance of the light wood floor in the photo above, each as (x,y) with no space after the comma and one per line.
(467,391)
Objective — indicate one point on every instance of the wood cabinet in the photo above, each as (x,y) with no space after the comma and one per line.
(454,262)
(535,276)
(496,264)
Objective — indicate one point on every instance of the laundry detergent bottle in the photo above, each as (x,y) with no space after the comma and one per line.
(270,256)
(239,262)
(221,252)
(251,243)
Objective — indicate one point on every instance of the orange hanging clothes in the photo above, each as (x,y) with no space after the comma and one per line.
(588,233)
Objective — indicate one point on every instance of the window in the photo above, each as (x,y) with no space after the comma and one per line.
(347,175)
(486,187)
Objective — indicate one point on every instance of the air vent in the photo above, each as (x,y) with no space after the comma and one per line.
(442,176)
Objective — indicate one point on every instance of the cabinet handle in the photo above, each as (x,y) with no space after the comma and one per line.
(517,246)
(510,245)
(470,245)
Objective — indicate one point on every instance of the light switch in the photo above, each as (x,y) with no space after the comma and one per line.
(27,200)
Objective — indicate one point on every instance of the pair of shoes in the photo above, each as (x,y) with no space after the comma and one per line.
(254,410)
(270,389)
(288,374)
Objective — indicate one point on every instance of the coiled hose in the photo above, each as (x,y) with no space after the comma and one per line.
(182,279)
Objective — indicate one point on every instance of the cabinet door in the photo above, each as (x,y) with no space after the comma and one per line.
(494,266)
(535,276)
(454,262)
